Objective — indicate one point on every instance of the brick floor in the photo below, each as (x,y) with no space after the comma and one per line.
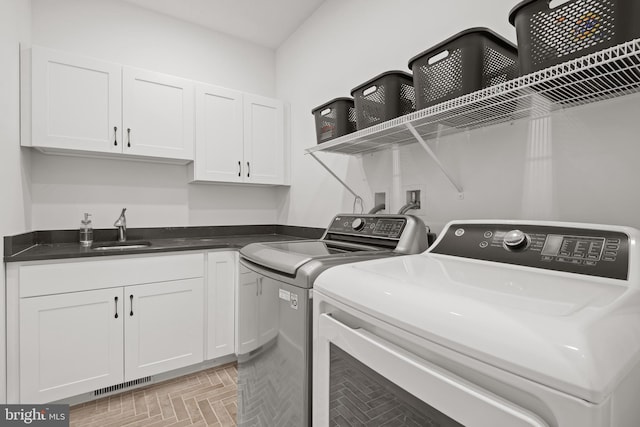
(205,398)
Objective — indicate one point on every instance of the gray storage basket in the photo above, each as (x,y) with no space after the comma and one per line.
(334,119)
(384,97)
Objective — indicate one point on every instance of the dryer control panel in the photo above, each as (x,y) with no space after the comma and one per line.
(599,253)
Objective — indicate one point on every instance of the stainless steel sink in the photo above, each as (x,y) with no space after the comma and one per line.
(108,246)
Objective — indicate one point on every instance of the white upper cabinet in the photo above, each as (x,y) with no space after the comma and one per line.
(239,137)
(70,102)
(264,154)
(219,135)
(157,114)
(73,104)
(76,102)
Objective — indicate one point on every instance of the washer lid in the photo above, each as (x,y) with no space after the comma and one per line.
(287,257)
(575,333)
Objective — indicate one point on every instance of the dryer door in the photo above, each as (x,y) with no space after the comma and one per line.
(369,380)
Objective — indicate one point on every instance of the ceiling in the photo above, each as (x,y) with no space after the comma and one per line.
(265,22)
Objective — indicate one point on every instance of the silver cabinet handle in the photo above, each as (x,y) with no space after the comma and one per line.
(116,301)
(131,300)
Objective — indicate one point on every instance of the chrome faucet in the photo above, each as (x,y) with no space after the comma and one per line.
(121,223)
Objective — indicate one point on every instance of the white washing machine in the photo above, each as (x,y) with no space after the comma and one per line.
(498,324)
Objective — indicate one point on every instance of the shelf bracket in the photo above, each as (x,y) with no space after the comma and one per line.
(344,184)
(433,156)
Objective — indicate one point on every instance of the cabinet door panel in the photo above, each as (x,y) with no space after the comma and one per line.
(221,278)
(70,344)
(164,327)
(247,313)
(219,133)
(269,310)
(158,114)
(76,102)
(264,140)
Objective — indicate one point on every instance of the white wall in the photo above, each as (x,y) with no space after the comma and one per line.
(14,173)
(341,46)
(155,194)
(578,165)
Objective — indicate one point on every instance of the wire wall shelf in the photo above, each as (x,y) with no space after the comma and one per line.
(600,76)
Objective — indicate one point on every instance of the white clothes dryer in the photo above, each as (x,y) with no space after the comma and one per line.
(499,323)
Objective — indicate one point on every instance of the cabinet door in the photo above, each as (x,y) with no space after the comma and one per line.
(164,327)
(247,338)
(76,102)
(70,344)
(264,156)
(219,135)
(269,310)
(158,114)
(221,285)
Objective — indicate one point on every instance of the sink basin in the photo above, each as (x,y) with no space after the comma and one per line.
(132,244)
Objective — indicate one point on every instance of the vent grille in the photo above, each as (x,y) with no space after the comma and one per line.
(121,386)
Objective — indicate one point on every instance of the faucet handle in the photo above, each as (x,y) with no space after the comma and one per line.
(122,219)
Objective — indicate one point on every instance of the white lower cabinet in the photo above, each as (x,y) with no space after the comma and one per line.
(70,343)
(222,270)
(163,327)
(73,341)
(257,310)
(247,338)
(268,310)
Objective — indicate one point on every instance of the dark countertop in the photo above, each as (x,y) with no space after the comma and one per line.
(63,244)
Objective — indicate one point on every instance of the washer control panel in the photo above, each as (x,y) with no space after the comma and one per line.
(389,227)
(600,253)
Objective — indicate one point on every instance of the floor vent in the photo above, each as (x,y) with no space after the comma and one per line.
(121,386)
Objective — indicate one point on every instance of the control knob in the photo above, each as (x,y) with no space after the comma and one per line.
(515,240)
(358,224)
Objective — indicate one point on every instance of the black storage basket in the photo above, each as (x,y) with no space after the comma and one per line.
(549,36)
(383,98)
(466,62)
(334,118)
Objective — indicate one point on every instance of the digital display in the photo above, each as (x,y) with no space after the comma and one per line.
(389,227)
(576,247)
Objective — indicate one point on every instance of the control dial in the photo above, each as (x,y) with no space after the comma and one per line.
(358,224)
(515,240)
